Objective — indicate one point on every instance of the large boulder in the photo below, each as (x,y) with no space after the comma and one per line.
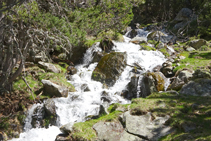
(159,80)
(147,86)
(200,87)
(146,127)
(50,112)
(108,131)
(49,67)
(53,90)
(110,68)
(196,44)
(167,69)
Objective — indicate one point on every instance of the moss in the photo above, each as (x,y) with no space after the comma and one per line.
(146,47)
(164,51)
(152,42)
(111,35)
(159,81)
(194,60)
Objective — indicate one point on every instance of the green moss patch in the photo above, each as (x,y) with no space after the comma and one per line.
(194,60)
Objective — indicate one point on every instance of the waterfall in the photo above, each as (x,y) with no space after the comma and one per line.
(80,104)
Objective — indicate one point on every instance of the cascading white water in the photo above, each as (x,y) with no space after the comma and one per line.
(78,105)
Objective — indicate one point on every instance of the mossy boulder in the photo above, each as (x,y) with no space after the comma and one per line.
(196,44)
(110,68)
(159,80)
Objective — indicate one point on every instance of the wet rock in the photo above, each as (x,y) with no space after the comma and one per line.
(147,86)
(108,131)
(167,69)
(97,56)
(71,70)
(37,117)
(85,88)
(54,90)
(196,44)
(155,34)
(147,128)
(106,45)
(138,40)
(49,67)
(62,137)
(160,45)
(67,128)
(50,112)
(132,87)
(201,87)
(132,33)
(77,53)
(110,68)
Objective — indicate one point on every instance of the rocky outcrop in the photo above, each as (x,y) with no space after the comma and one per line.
(53,90)
(106,45)
(108,131)
(49,67)
(110,68)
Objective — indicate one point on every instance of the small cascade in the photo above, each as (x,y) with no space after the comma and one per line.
(81,104)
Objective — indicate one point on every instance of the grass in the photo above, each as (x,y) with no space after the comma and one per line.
(194,60)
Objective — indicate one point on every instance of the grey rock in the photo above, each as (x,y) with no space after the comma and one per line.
(67,128)
(190,49)
(129,137)
(145,127)
(85,88)
(50,107)
(132,33)
(201,87)
(97,56)
(196,44)
(53,89)
(49,67)
(108,131)
(147,86)
(132,87)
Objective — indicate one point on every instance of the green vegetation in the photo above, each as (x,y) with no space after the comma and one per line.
(34,75)
(194,60)
(84,130)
